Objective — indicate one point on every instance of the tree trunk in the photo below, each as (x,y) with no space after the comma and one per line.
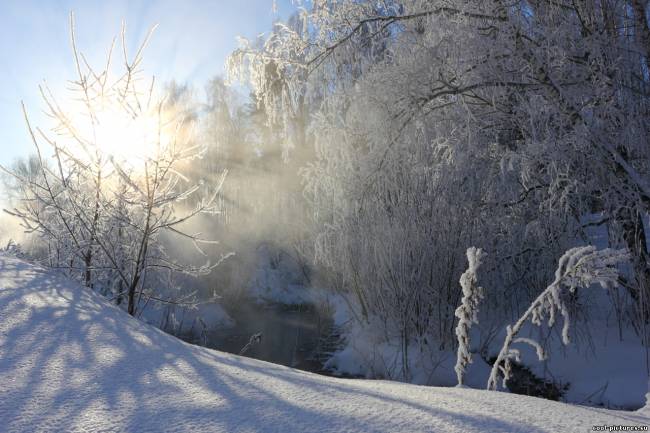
(131,295)
(87,262)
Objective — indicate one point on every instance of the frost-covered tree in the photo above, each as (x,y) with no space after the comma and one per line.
(113,186)
(467,312)
(442,124)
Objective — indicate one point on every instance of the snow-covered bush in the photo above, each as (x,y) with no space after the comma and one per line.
(578,267)
(467,312)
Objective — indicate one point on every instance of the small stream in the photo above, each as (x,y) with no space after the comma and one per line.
(295,336)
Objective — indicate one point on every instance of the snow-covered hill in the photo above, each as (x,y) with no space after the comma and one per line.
(69,361)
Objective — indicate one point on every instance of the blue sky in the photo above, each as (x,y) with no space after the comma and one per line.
(190,45)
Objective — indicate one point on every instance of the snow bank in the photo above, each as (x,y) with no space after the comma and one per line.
(70,362)
(369,351)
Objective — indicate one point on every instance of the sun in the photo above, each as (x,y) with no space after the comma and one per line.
(126,137)
(113,131)
(114,114)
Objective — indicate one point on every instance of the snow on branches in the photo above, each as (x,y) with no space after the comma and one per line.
(578,267)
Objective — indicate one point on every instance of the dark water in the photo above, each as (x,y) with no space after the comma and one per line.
(295,336)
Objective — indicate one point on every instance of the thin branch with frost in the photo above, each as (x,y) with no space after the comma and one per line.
(578,267)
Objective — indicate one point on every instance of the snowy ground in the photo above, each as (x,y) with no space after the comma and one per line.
(71,362)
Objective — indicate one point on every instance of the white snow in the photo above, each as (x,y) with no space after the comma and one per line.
(70,362)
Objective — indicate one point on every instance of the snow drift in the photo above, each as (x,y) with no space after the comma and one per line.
(69,361)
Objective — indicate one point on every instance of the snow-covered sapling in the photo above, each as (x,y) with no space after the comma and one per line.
(578,267)
(467,312)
